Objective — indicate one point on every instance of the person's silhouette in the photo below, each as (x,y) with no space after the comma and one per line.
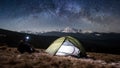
(24,46)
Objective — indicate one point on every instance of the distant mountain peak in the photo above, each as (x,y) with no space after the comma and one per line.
(70,30)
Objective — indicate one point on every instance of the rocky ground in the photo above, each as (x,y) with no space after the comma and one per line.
(11,58)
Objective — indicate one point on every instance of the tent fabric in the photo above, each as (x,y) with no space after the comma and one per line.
(66,46)
(77,44)
(52,49)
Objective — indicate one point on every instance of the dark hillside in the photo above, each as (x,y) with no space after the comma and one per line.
(12,39)
(105,43)
(95,42)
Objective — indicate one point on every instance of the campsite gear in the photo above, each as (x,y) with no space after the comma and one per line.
(25,47)
(66,46)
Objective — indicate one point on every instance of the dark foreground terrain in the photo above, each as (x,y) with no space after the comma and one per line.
(11,58)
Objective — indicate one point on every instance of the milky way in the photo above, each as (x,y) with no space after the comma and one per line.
(49,15)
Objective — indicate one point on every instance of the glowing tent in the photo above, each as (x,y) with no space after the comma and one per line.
(66,46)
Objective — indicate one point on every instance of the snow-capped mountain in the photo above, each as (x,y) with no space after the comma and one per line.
(86,31)
(70,30)
(31,32)
(65,30)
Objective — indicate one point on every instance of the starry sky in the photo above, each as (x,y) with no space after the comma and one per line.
(50,15)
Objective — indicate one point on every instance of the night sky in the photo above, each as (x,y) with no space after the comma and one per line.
(50,15)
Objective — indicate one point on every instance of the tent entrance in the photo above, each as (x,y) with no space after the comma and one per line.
(67,48)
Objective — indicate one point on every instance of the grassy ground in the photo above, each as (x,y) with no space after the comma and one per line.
(11,58)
